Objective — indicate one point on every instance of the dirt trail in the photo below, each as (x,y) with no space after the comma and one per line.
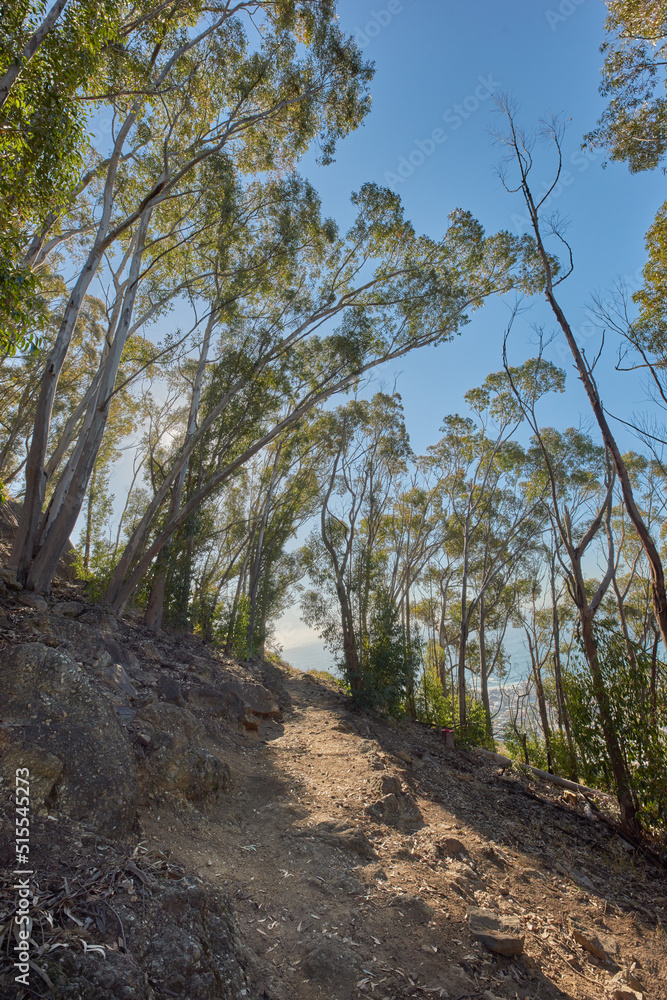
(352,869)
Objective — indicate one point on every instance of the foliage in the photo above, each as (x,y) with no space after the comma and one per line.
(436,708)
(390,661)
(325,675)
(633,126)
(231,628)
(639,713)
(522,741)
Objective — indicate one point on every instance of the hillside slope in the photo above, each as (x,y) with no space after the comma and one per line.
(245,835)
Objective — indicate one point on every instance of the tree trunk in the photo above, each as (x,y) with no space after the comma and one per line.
(35,479)
(463,636)
(23,58)
(649,546)
(67,499)
(350,650)
(155,608)
(484,677)
(254,579)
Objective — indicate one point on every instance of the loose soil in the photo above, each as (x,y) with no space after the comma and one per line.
(294,846)
(341,862)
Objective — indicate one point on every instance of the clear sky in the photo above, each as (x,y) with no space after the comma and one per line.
(437,63)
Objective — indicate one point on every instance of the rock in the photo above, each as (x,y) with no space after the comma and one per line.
(8,576)
(90,646)
(116,677)
(149,651)
(187,938)
(602,946)
(396,809)
(570,797)
(125,714)
(451,846)
(170,690)
(350,885)
(405,757)
(31,600)
(390,783)
(488,995)
(582,879)
(625,981)
(255,697)
(413,907)
(44,768)
(355,841)
(69,609)
(176,762)
(100,620)
(341,834)
(55,711)
(235,698)
(498,932)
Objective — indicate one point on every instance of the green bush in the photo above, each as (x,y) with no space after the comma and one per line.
(639,715)
(435,708)
(389,661)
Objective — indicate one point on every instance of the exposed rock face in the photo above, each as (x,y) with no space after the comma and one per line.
(179,932)
(176,762)
(86,641)
(235,698)
(61,723)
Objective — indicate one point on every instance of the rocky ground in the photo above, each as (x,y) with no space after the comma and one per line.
(203,829)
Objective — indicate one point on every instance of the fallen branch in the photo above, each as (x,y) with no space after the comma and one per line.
(555,779)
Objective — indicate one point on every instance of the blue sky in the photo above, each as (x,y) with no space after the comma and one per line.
(436,66)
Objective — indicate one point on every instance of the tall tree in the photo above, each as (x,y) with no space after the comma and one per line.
(205,92)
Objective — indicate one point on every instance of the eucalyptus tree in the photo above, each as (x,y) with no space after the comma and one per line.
(414,292)
(368,448)
(520,155)
(240,570)
(187,95)
(581,506)
(489,524)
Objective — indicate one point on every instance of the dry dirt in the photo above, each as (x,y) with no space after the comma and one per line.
(325,893)
(351,849)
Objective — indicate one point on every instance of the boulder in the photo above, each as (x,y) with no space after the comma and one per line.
(498,932)
(61,721)
(176,762)
(68,609)
(235,698)
(30,600)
